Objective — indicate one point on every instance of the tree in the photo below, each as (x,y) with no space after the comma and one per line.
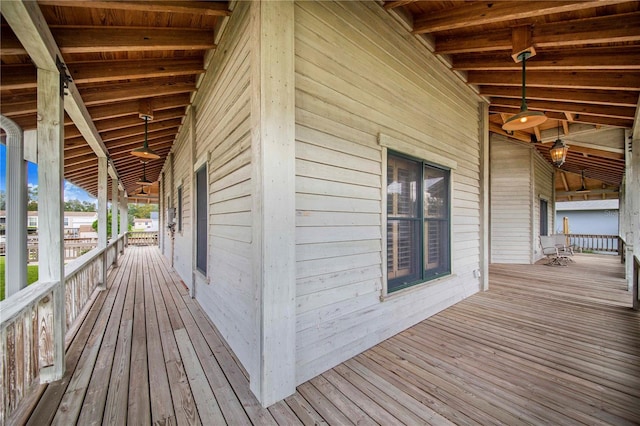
(3,200)
(94,225)
(141,211)
(32,198)
(79,206)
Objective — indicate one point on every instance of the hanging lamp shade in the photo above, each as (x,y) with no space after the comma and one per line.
(143,181)
(583,188)
(525,119)
(144,151)
(559,150)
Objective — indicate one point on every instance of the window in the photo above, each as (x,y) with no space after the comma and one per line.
(544,217)
(417,222)
(32,221)
(201,219)
(66,221)
(179,212)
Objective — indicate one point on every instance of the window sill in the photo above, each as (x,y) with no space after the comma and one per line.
(417,287)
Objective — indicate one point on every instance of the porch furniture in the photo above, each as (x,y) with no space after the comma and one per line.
(557,252)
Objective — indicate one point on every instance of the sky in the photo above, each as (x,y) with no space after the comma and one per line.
(71,192)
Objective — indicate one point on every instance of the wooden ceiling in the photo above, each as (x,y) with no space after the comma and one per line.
(585,75)
(118,54)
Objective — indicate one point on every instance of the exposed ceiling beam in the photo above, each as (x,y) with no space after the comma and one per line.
(482,13)
(132,131)
(191,7)
(606,29)
(591,192)
(398,3)
(120,109)
(563,176)
(595,80)
(133,121)
(585,59)
(576,108)
(134,90)
(602,97)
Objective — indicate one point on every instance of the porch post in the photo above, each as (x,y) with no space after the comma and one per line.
(16,202)
(114,216)
(634,200)
(124,216)
(50,207)
(192,189)
(273,162)
(102,218)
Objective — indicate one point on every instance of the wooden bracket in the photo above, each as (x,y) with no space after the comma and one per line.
(521,42)
(145,109)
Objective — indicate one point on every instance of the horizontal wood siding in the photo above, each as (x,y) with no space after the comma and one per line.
(510,201)
(359,73)
(223,136)
(182,169)
(543,189)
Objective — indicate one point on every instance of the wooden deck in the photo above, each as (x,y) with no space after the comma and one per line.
(544,346)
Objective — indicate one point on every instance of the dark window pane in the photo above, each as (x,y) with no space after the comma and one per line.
(402,187)
(403,239)
(180,209)
(544,217)
(201,220)
(436,192)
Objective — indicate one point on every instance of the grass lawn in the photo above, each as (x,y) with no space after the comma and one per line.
(32,275)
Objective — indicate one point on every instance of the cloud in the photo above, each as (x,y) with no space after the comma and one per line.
(72,192)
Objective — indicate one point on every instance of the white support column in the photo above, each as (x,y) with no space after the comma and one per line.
(124,215)
(102,217)
(16,219)
(485,235)
(634,199)
(114,216)
(273,162)
(51,207)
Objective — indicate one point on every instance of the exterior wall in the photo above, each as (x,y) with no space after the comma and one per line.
(182,255)
(511,200)
(358,74)
(223,142)
(543,187)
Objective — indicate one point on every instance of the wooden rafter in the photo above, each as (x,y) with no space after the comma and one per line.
(190,7)
(481,13)
(589,80)
(598,97)
(606,29)
(574,108)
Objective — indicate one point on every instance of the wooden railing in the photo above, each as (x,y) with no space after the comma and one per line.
(143,238)
(593,242)
(30,324)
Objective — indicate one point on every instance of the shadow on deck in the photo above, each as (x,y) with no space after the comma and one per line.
(544,345)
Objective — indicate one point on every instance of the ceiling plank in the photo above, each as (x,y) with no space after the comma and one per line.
(131,131)
(481,13)
(583,59)
(126,39)
(600,80)
(119,109)
(134,90)
(95,72)
(606,29)
(601,97)
(190,7)
(575,108)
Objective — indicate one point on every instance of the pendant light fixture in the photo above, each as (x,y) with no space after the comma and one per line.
(583,188)
(143,181)
(525,119)
(146,113)
(559,150)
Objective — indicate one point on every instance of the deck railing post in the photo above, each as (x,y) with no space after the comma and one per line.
(102,218)
(114,218)
(50,208)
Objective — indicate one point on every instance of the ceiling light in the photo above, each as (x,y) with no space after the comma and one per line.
(144,151)
(525,119)
(143,180)
(559,150)
(583,189)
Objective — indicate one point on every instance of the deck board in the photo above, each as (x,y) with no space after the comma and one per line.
(543,346)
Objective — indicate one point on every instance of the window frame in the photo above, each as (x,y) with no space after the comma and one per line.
(419,224)
(179,208)
(417,151)
(198,224)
